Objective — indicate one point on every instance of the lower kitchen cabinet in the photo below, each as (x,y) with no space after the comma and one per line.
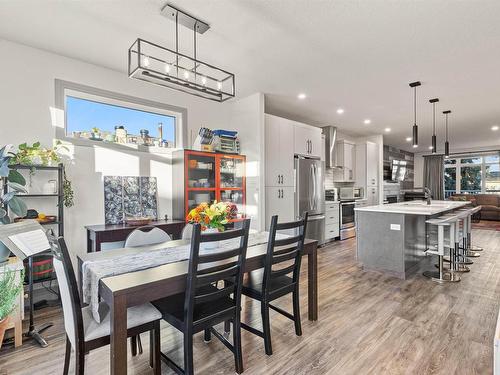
(332,220)
(279,201)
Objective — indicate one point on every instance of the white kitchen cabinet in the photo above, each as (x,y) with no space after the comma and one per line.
(279,151)
(332,220)
(345,161)
(307,140)
(372,196)
(279,201)
(367,170)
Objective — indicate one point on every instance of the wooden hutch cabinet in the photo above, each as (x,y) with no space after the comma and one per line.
(207,176)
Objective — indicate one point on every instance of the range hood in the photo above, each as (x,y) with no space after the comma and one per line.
(330,133)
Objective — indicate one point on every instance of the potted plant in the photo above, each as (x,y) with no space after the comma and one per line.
(212,217)
(96,133)
(11,284)
(35,155)
(16,182)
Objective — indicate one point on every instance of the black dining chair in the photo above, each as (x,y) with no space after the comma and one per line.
(283,258)
(83,333)
(204,304)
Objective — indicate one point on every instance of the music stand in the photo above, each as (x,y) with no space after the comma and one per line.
(31,226)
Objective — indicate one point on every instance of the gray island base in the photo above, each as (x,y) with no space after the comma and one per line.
(392,238)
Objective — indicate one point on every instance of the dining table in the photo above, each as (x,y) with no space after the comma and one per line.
(129,289)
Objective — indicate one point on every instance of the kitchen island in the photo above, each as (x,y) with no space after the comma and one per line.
(393,237)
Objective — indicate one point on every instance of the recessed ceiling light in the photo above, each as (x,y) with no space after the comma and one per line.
(340,111)
(409,139)
(301,96)
(494,128)
(387,130)
(367,121)
(430,147)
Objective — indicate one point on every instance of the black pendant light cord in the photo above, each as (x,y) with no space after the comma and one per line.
(415,105)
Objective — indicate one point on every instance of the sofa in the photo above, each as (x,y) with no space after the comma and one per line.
(490,204)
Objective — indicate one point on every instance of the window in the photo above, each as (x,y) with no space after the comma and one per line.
(83,115)
(472,174)
(92,114)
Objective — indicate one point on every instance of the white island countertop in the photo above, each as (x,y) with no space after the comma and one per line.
(415,207)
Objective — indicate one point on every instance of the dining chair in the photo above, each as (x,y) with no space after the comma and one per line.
(83,333)
(187,232)
(273,281)
(143,236)
(146,235)
(204,304)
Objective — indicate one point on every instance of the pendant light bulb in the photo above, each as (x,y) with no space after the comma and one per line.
(414,85)
(434,139)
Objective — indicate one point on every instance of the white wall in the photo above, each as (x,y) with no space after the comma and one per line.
(27,96)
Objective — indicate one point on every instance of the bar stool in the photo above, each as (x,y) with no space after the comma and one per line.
(471,247)
(456,259)
(467,252)
(443,276)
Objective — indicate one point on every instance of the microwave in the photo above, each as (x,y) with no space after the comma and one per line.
(351,193)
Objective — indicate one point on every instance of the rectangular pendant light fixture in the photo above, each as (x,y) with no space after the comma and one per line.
(167,67)
(446,143)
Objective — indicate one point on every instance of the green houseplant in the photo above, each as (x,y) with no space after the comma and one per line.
(11,284)
(16,182)
(35,155)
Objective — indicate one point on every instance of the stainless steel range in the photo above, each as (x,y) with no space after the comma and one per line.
(347,222)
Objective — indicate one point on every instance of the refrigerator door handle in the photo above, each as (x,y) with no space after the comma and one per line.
(311,182)
(314,187)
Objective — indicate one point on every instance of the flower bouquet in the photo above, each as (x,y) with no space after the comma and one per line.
(212,216)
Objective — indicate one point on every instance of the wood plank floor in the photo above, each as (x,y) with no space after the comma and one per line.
(368,324)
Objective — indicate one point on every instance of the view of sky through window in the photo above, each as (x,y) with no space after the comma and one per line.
(83,115)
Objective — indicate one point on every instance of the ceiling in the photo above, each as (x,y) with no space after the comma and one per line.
(356,55)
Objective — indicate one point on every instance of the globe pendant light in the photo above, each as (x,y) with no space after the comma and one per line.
(434,143)
(414,85)
(446,143)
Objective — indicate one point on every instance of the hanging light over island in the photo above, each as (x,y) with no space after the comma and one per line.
(414,85)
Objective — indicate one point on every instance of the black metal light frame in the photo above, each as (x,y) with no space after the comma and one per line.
(218,84)
(414,85)
(446,143)
(434,139)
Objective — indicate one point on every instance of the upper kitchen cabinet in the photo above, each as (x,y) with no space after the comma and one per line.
(345,161)
(367,170)
(307,140)
(279,151)
(367,162)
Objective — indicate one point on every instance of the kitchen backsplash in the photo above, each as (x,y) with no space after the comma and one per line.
(330,184)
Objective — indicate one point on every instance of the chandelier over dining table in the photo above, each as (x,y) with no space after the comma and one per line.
(167,67)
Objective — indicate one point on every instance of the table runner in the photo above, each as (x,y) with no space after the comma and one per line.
(94,271)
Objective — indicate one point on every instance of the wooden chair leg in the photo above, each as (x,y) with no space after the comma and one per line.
(155,348)
(207,335)
(188,353)
(67,356)
(238,356)
(133,346)
(80,362)
(266,327)
(151,348)
(296,312)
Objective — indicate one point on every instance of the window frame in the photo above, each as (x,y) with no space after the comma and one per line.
(63,89)
(458,167)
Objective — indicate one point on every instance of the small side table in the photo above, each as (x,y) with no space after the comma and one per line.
(17,316)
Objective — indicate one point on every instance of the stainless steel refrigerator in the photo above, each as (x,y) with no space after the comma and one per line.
(310,195)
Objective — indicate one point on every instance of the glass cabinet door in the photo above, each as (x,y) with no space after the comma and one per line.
(232,171)
(200,171)
(196,197)
(233,196)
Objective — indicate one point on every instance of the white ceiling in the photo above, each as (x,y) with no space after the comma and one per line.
(358,55)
